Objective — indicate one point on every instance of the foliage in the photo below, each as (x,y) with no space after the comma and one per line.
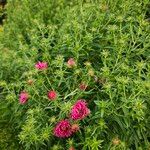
(109,41)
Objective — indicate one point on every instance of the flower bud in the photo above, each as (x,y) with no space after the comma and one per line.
(115,141)
(75,128)
(71,63)
(52,95)
(30,82)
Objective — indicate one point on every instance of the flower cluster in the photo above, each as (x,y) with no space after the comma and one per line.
(78,112)
(66,127)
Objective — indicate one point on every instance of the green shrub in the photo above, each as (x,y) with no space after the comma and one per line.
(109,42)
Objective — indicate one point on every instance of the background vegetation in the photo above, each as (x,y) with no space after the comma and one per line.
(113,35)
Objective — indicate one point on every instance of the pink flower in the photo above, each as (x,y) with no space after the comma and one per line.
(41,65)
(52,95)
(71,63)
(63,129)
(23,97)
(79,110)
(82,86)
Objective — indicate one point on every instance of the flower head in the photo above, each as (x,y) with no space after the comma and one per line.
(63,129)
(79,110)
(52,95)
(41,65)
(71,63)
(23,97)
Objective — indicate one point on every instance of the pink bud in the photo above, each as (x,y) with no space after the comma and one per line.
(52,95)
(71,63)
(41,65)
(23,97)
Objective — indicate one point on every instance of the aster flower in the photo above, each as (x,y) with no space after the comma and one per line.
(52,95)
(23,97)
(41,65)
(63,129)
(80,110)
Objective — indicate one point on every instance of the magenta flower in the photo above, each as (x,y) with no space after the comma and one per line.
(23,97)
(41,65)
(52,95)
(79,110)
(71,63)
(63,129)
